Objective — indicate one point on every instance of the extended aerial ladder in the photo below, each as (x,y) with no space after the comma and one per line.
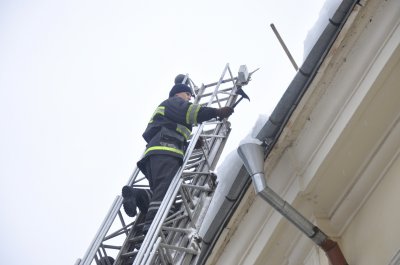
(173,238)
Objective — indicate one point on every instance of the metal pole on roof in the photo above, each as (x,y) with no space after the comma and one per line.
(284,47)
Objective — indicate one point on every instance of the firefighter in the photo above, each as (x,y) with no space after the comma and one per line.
(167,136)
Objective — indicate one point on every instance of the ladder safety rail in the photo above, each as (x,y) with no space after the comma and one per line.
(173,235)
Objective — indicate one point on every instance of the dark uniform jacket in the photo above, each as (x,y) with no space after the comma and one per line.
(171,126)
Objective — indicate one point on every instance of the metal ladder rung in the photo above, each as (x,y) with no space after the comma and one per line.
(119,232)
(196,155)
(190,163)
(222,82)
(213,121)
(202,188)
(181,249)
(139,179)
(136,239)
(205,132)
(130,254)
(169,220)
(176,229)
(195,162)
(220,100)
(141,186)
(111,246)
(188,174)
(213,136)
(221,91)
(189,167)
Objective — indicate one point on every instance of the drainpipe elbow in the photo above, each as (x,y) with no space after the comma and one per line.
(333,252)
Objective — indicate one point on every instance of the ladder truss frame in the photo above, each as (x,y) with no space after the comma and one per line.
(193,186)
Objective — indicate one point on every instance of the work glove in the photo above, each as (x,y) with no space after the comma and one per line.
(199,143)
(224,112)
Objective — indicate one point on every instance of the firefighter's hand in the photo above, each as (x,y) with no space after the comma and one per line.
(224,112)
(199,143)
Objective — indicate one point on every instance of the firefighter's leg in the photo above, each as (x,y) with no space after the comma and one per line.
(161,170)
(143,198)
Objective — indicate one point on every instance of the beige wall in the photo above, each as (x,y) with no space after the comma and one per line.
(373,237)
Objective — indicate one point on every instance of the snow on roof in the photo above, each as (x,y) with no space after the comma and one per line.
(327,11)
(227,172)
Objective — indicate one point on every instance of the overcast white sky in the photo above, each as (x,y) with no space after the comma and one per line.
(79,81)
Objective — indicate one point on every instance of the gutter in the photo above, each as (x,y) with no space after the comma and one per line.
(271,131)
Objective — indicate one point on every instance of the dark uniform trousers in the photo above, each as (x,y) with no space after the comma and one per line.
(160,170)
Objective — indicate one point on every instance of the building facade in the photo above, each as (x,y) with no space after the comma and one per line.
(336,159)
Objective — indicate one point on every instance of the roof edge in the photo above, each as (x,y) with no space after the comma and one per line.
(274,126)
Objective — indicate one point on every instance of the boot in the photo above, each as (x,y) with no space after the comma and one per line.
(135,198)
(129,201)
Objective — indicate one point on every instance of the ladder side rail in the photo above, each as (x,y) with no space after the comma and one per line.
(108,221)
(134,176)
(215,153)
(220,124)
(153,252)
(131,182)
(179,238)
(215,93)
(156,225)
(184,225)
(213,156)
(102,231)
(230,101)
(111,216)
(191,218)
(221,131)
(126,250)
(217,129)
(165,205)
(212,144)
(197,215)
(150,238)
(206,164)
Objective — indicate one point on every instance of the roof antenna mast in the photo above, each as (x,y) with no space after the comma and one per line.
(284,46)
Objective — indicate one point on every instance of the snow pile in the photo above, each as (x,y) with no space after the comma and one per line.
(227,173)
(327,11)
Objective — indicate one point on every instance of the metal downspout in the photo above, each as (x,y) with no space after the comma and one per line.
(252,155)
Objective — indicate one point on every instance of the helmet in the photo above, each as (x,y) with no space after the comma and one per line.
(180,78)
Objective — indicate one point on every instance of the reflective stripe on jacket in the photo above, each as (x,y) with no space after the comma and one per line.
(170,127)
